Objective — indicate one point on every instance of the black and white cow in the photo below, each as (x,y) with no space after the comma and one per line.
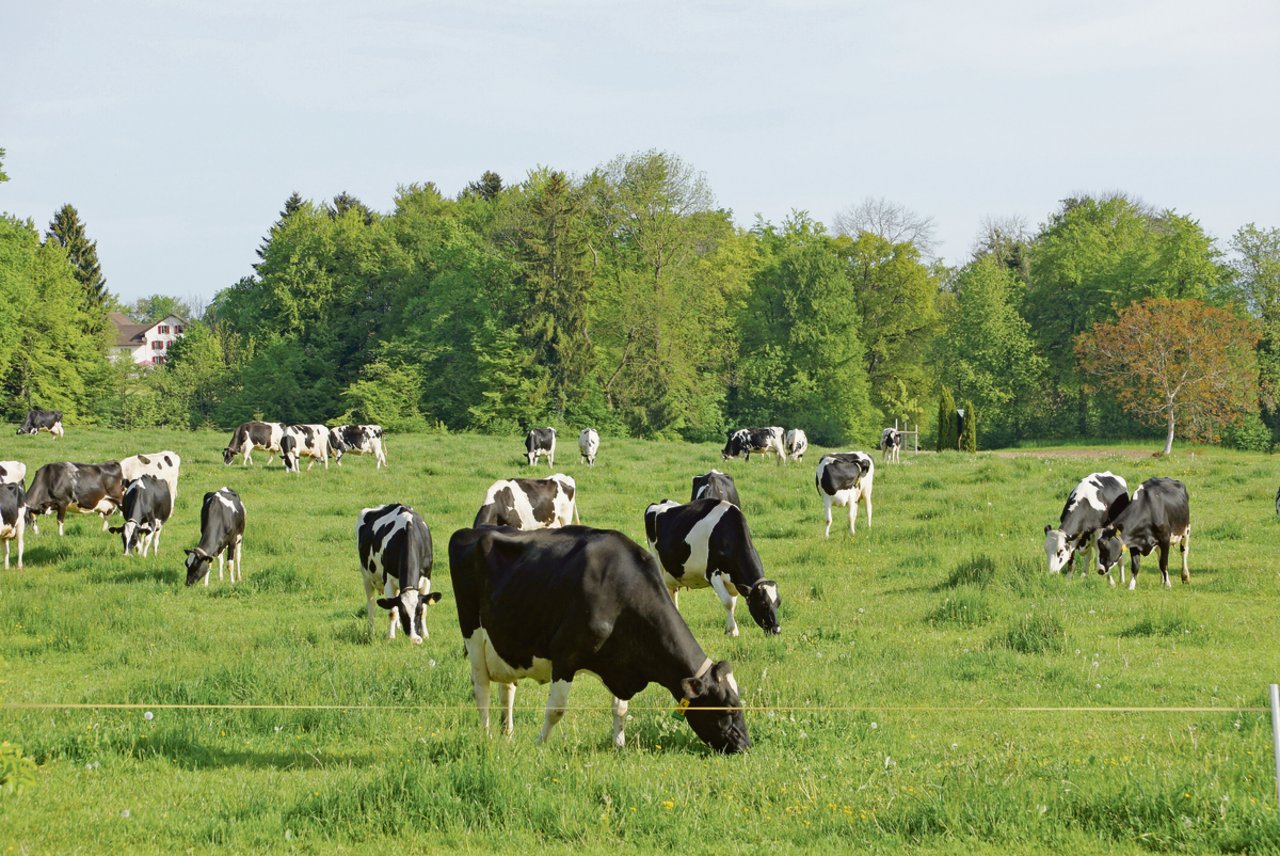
(795,444)
(707,543)
(395,557)
(310,441)
(589,445)
(254,435)
(1091,505)
(1158,515)
(146,509)
(359,440)
(221,535)
(42,420)
(715,485)
(163,465)
(87,488)
(550,604)
(530,503)
(744,441)
(891,445)
(843,479)
(13,519)
(13,472)
(539,442)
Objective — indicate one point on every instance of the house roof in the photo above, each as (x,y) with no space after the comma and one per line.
(128,334)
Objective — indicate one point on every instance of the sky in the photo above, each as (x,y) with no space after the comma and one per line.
(178,128)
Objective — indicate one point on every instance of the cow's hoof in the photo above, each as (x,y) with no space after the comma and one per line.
(1186,578)
(619,741)
(1133,584)
(1112,580)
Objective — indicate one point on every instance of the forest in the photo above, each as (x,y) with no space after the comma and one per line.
(627,300)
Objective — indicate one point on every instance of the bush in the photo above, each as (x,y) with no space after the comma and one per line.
(17,771)
(1250,434)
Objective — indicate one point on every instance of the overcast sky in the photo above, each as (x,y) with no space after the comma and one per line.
(179,128)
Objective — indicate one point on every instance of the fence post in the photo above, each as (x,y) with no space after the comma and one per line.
(1275,733)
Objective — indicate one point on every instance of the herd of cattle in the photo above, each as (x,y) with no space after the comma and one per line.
(539,595)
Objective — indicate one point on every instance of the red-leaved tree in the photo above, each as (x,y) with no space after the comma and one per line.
(1181,362)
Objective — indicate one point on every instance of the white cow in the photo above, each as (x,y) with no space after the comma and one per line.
(589,445)
(843,479)
(163,465)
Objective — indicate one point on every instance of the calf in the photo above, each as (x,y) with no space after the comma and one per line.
(530,503)
(843,479)
(87,488)
(550,604)
(42,420)
(707,543)
(147,507)
(254,435)
(13,519)
(13,472)
(589,445)
(795,444)
(221,535)
(891,445)
(744,441)
(1091,506)
(359,440)
(395,556)
(310,441)
(715,485)
(162,465)
(1158,515)
(539,442)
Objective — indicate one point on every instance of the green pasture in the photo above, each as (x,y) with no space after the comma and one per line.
(881,716)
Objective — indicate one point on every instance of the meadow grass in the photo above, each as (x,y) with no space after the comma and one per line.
(879,715)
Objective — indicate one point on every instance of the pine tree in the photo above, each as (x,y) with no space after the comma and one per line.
(948,429)
(487,187)
(292,204)
(68,231)
(344,202)
(969,436)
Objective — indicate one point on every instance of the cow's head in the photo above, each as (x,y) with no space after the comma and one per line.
(763,602)
(131,534)
(714,709)
(411,608)
(198,564)
(228,455)
(289,453)
(732,446)
(1058,547)
(1111,548)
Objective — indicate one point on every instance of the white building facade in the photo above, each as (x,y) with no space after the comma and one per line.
(146,344)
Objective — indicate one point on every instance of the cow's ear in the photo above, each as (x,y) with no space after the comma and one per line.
(720,671)
(1047,527)
(742,590)
(693,687)
(388,602)
(434,597)
(189,552)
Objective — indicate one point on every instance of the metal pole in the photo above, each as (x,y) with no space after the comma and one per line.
(1275,733)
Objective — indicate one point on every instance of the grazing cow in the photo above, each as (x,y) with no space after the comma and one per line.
(360,440)
(42,420)
(744,441)
(87,488)
(530,503)
(891,445)
(13,519)
(843,479)
(539,442)
(547,605)
(707,543)
(715,485)
(147,507)
(795,444)
(221,535)
(395,556)
(1092,505)
(254,435)
(310,441)
(162,465)
(589,445)
(13,472)
(1158,515)
(1278,501)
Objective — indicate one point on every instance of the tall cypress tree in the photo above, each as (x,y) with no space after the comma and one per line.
(948,427)
(68,231)
(969,435)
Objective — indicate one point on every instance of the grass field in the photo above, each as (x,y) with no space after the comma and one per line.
(880,715)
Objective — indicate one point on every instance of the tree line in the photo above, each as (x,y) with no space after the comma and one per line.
(626,299)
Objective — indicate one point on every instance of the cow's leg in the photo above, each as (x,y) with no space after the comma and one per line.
(389,590)
(1133,569)
(557,699)
(1183,547)
(730,600)
(826,501)
(221,563)
(619,722)
(1164,564)
(867,496)
(155,539)
(239,564)
(6,554)
(853,516)
(675,597)
(479,675)
(21,528)
(508,708)
(370,595)
(62,517)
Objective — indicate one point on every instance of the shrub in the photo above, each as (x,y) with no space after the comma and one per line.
(1250,434)
(17,771)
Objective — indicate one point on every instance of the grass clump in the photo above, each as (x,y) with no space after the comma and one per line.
(1167,622)
(1035,633)
(977,571)
(963,609)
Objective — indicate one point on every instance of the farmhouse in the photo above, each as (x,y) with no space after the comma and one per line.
(145,344)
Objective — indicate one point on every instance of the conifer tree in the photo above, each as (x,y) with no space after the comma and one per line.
(969,435)
(948,429)
(67,229)
(292,204)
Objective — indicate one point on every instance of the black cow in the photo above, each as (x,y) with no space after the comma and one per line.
(843,479)
(707,543)
(539,442)
(254,435)
(1092,504)
(1158,515)
(42,420)
(551,603)
(395,555)
(13,472)
(530,503)
(360,440)
(891,445)
(221,535)
(146,508)
(13,519)
(744,441)
(87,488)
(715,485)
